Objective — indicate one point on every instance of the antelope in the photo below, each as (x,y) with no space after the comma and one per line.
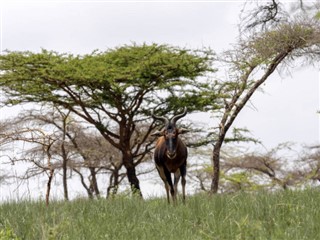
(171,154)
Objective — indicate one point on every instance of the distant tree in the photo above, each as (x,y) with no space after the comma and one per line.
(42,162)
(281,167)
(267,170)
(272,170)
(310,168)
(73,147)
(113,90)
(253,60)
(4,176)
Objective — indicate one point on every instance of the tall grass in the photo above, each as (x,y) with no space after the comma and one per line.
(282,215)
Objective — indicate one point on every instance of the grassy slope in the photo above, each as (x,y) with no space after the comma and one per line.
(284,215)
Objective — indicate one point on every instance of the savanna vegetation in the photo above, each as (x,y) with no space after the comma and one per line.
(91,114)
(281,215)
(91,118)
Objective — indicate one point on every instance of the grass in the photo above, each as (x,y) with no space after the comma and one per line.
(282,215)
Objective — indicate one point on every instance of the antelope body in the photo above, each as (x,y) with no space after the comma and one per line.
(171,154)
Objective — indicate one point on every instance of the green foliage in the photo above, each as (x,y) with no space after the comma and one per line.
(283,39)
(260,215)
(239,178)
(240,135)
(7,234)
(113,90)
(202,97)
(111,77)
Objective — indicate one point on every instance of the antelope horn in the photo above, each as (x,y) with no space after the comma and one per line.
(177,117)
(163,119)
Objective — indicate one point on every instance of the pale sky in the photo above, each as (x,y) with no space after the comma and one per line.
(286,111)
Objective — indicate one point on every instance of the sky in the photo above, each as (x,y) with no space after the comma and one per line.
(286,110)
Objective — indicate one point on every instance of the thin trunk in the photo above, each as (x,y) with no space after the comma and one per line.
(50,177)
(94,181)
(216,166)
(89,192)
(51,172)
(233,109)
(64,172)
(113,183)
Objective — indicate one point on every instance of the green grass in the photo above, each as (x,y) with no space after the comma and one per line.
(282,215)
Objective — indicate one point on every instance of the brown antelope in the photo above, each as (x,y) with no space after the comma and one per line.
(171,154)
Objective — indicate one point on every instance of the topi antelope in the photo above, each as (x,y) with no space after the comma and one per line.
(171,154)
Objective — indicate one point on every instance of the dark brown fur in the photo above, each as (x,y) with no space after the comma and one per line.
(170,156)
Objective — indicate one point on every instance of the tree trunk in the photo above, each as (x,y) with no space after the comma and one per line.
(50,177)
(131,172)
(113,183)
(111,186)
(64,159)
(234,107)
(216,167)
(94,182)
(64,172)
(51,172)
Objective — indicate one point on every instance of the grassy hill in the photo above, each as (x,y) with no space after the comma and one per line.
(281,215)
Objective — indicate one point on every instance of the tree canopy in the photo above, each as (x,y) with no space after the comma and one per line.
(114,90)
(99,77)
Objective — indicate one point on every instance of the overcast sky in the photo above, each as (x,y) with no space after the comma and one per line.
(287,111)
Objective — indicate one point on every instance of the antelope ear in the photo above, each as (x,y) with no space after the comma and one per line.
(183,130)
(157,134)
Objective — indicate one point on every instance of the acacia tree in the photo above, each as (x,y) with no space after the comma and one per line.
(68,134)
(66,145)
(113,90)
(41,160)
(250,64)
(264,170)
(51,131)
